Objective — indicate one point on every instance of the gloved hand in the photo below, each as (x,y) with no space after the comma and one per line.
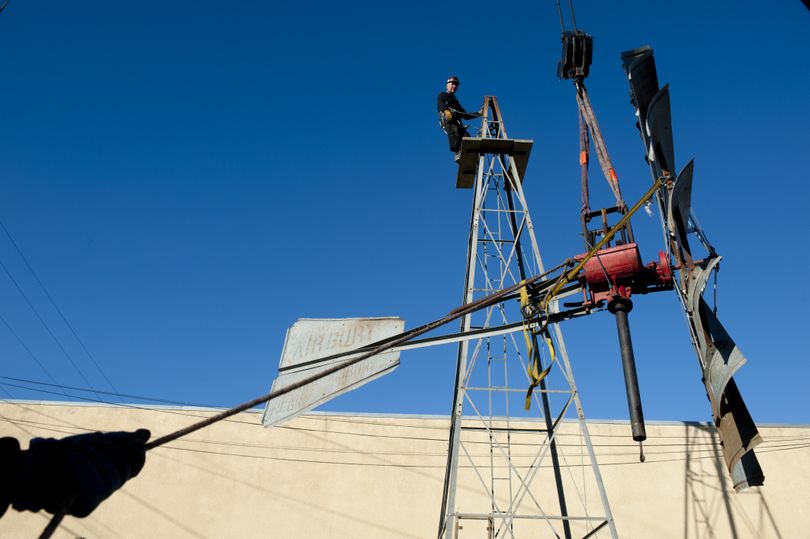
(78,472)
(447,114)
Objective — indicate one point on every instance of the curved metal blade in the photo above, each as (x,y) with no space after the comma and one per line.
(659,131)
(718,354)
(678,208)
(639,64)
(696,282)
(739,436)
(720,358)
(747,472)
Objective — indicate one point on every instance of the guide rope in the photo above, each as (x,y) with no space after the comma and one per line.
(553,288)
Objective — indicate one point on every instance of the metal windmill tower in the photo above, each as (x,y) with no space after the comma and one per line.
(512,472)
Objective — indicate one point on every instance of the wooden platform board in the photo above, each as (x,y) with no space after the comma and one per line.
(473,148)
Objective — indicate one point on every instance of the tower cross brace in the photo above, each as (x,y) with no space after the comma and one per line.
(512,472)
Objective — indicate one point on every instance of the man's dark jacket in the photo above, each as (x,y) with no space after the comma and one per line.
(448,100)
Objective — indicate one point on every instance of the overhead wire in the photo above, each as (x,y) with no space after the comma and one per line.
(116,393)
(770,441)
(709,447)
(352,420)
(186,413)
(30,353)
(46,326)
(633,461)
(711,454)
(7,420)
(56,307)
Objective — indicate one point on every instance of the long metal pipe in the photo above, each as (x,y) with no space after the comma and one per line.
(620,307)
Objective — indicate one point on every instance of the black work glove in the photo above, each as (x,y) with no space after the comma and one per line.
(78,472)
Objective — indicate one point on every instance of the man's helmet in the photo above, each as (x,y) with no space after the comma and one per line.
(453,79)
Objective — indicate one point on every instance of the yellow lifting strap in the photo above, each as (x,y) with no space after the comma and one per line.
(535,374)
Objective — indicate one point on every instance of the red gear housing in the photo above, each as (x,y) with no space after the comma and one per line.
(618,271)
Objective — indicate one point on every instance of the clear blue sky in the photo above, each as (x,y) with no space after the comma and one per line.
(188,178)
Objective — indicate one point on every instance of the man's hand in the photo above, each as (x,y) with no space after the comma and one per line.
(77,473)
(447,114)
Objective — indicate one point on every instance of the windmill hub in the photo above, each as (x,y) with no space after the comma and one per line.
(618,271)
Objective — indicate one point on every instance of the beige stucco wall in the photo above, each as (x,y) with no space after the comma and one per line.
(349,476)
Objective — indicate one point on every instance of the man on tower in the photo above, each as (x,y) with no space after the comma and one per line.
(450,115)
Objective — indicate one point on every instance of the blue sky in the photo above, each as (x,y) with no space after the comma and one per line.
(188,178)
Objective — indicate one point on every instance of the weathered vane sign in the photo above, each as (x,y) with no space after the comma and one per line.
(309,339)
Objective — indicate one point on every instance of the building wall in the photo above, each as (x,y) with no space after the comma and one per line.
(350,476)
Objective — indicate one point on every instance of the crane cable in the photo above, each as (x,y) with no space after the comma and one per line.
(586,110)
(573,17)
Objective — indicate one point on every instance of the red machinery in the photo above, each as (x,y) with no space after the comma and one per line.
(618,271)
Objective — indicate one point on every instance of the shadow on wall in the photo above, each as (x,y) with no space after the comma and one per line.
(712,508)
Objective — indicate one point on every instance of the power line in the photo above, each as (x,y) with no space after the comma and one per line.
(30,353)
(55,306)
(768,444)
(119,404)
(97,392)
(45,325)
(708,453)
(633,461)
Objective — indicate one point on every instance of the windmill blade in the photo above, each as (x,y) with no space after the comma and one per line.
(719,355)
(720,358)
(659,131)
(746,471)
(678,208)
(739,436)
(639,64)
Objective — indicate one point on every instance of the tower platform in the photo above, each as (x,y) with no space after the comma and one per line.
(472,148)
